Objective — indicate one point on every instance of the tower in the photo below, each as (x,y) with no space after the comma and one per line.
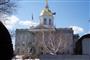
(46,17)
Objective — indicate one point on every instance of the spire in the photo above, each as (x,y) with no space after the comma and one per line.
(46,3)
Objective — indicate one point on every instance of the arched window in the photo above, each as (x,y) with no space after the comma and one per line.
(50,22)
(45,21)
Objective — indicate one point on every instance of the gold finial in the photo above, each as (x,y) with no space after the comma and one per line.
(46,3)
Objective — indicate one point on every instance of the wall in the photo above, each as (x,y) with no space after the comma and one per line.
(55,41)
(47,42)
(23,41)
(65,57)
(86,46)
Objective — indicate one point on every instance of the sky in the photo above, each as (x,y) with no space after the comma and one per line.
(69,14)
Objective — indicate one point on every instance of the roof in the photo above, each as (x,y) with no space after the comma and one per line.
(65,29)
(40,27)
(46,12)
(85,36)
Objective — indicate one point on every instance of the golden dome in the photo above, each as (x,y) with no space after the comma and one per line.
(46,12)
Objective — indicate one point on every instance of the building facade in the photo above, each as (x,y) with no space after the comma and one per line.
(45,38)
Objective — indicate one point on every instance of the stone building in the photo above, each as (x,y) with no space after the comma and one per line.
(45,38)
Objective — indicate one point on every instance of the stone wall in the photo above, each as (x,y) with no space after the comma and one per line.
(24,39)
(60,40)
(64,57)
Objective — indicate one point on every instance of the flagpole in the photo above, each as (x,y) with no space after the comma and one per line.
(32,16)
(89,25)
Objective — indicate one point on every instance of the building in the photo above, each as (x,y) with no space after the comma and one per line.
(45,38)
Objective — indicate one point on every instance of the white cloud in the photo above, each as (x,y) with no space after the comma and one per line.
(77,29)
(14,22)
(27,23)
(11,22)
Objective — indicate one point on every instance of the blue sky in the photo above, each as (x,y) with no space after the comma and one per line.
(68,12)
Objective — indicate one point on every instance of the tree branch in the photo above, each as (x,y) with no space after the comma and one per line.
(5,2)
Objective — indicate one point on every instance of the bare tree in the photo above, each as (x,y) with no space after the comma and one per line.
(53,43)
(7,6)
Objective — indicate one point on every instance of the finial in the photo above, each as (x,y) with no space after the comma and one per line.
(46,3)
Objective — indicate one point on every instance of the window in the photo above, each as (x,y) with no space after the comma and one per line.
(45,21)
(50,22)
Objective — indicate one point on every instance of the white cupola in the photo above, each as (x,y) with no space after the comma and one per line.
(46,17)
